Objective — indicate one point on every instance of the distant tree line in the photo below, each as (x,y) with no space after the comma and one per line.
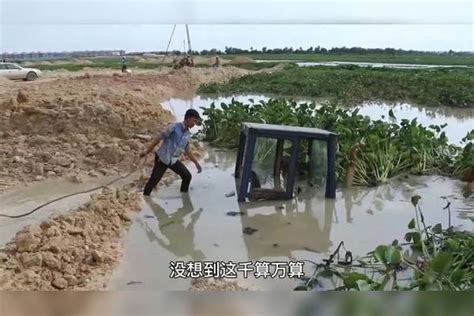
(234,51)
(317,50)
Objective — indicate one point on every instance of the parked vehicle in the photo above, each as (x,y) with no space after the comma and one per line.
(15,72)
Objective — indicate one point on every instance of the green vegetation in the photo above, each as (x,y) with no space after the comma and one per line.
(426,59)
(386,149)
(352,85)
(97,64)
(464,165)
(350,54)
(115,64)
(254,66)
(353,54)
(432,259)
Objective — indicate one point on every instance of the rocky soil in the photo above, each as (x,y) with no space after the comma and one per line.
(75,251)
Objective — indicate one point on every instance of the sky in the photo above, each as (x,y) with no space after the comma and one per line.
(146,25)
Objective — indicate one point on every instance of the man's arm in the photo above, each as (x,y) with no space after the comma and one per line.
(192,158)
(162,135)
(152,146)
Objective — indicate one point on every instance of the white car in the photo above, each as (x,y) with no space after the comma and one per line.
(15,72)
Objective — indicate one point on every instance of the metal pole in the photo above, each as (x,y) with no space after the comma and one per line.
(189,43)
(293,167)
(167,48)
(247,167)
(331,169)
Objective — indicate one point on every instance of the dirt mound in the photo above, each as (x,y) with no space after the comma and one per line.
(6,84)
(74,135)
(88,123)
(61,70)
(241,60)
(70,252)
(207,75)
(198,60)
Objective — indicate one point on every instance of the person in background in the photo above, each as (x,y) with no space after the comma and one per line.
(216,63)
(124,64)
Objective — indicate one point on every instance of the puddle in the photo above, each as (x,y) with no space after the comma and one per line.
(196,226)
(459,121)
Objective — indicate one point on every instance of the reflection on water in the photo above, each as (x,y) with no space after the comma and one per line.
(180,237)
(287,226)
(459,120)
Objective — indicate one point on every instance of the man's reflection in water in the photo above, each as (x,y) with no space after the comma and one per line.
(180,236)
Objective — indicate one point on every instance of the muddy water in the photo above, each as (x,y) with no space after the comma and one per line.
(22,200)
(459,121)
(196,227)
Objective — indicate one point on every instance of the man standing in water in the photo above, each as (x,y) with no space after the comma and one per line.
(175,140)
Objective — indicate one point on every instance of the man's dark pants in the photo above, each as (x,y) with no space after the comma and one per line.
(159,170)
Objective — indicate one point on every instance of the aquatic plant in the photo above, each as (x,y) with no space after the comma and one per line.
(433,258)
(464,164)
(387,149)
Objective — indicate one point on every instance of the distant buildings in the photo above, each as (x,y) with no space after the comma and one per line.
(59,55)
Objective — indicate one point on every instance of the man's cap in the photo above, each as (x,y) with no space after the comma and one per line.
(192,113)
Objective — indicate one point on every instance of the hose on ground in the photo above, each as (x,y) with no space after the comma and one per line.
(72,194)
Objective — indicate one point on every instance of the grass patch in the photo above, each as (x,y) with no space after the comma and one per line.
(110,64)
(374,58)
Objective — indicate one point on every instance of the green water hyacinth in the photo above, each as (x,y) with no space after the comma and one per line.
(387,149)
